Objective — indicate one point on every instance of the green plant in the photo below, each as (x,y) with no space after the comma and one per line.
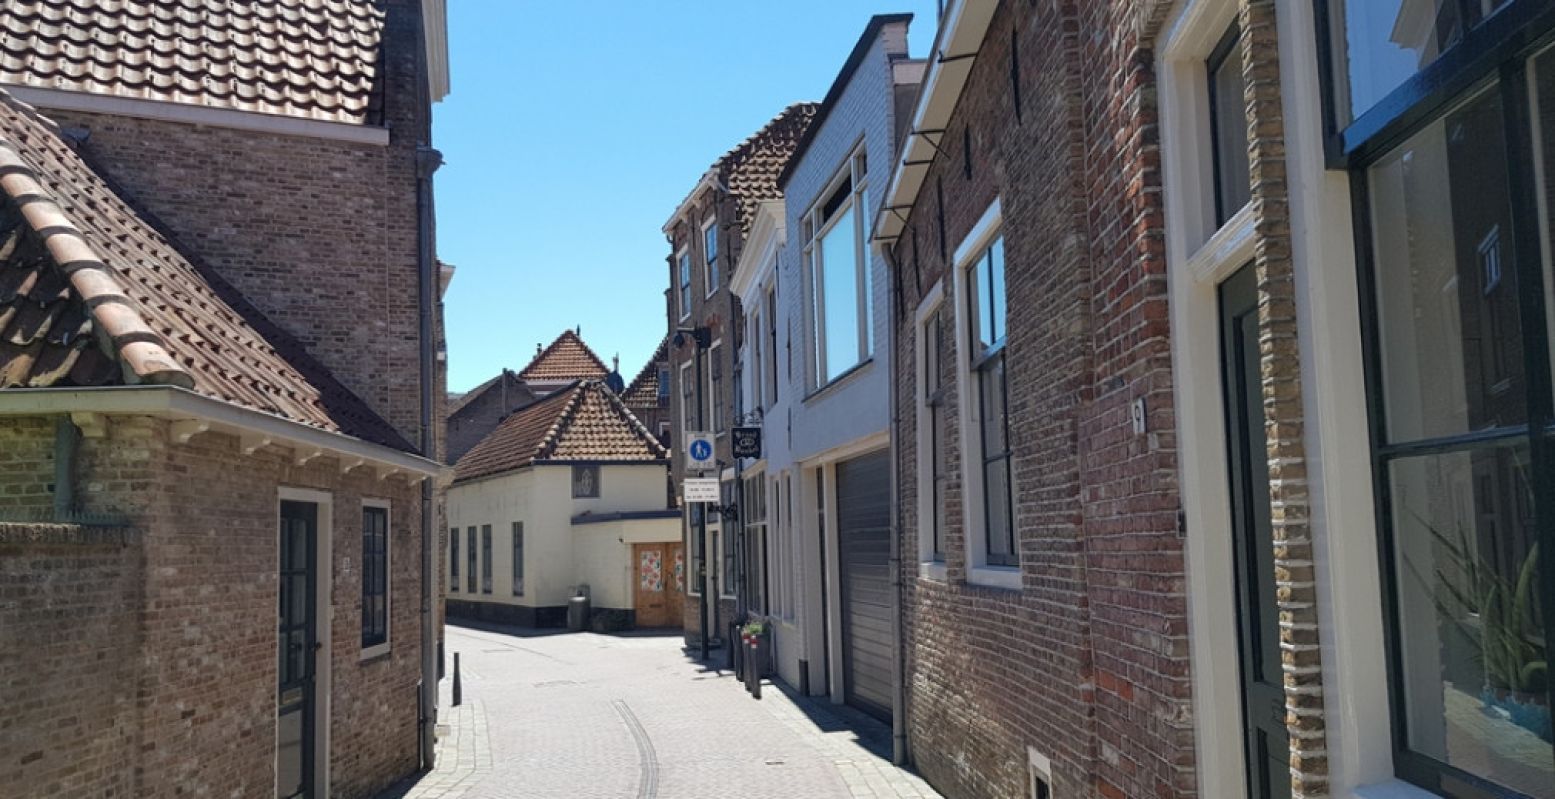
(1507,632)
(754,628)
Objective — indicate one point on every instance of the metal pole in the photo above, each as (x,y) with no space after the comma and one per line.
(705,575)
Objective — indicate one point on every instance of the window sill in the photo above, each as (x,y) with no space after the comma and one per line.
(1005,577)
(1392,789)
(374,653)
(932,570)
(839,379)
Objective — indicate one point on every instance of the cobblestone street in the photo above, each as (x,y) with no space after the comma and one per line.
(587,715)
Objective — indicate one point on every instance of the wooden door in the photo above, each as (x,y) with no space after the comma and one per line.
(654,594)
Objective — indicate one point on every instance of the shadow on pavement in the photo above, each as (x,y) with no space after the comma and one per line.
(546,632)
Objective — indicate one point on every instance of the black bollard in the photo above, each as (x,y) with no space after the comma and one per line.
(458,689)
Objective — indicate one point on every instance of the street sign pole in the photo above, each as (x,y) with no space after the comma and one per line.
(702,574)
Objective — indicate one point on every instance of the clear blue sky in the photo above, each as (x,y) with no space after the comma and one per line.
(573,131)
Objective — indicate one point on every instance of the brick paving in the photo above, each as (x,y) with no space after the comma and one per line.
(586,715)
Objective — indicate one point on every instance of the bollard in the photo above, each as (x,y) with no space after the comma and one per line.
(458,689)
(754,664)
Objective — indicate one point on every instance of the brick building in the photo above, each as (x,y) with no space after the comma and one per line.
(1162,268)
(648,395)
(1045,638)
(706,234)
(171,385)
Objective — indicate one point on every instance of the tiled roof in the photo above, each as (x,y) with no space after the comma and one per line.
(643,392)
(315,59)
(568,358)
(584,422)
(751,169)
(459,403)
(92,295)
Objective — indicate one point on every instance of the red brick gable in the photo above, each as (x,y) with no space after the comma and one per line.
(643,391)
(91,294)
(313,59)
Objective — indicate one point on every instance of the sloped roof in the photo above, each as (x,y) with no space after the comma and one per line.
(459,403)
(91,295)
(583,422)
(750,171)
(314,59)
(643,391)
(568,358)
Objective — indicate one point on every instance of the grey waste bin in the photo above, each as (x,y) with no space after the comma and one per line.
(578,613)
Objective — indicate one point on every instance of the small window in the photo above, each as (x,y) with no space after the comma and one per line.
(470,540)
(585,481)
(685,283)
(485,558)
(375,576)
(518,558)
(710,255)
(453,559)
(1228,127)
(664,387)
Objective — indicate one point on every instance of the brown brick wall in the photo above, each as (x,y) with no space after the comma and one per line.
(26,469)
(1088,664)
(320,235)
(69,599)
(204,668)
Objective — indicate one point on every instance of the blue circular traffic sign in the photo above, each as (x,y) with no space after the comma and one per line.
(701,450)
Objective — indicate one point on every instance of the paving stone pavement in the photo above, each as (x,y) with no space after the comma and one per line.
(586,715)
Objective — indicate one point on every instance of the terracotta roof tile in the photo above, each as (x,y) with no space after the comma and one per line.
(584,422)
(568,358)
(643,391)
(315,59)
(91,294)
(751,169)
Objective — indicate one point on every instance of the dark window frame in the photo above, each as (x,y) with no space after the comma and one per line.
(375,576)
(470,559)
(1490,56)
(486,559)
(517,545)
(453,560)
(578,471)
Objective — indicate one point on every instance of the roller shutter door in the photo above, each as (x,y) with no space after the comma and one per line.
(864,548)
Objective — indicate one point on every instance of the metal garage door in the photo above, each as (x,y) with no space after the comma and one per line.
(864,548)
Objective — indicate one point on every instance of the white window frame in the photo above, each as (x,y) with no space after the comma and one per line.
(769,298)
(1343,520)
(967,255)
(685,276)
(709,261)
(756,375)
(814,268)
(687,423)
(928,566)
(371,652)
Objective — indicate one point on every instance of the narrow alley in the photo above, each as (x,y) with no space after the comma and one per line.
(579,715)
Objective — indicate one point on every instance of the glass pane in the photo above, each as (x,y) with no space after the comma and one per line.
(996,504)
(1232,185)
(1446,291)
(1474,655)
(996,291)
(1387,41)
(993,397)
(1542,77)
(839,277)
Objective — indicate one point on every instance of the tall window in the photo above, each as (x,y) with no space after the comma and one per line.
(837,277)
(726,533)
(756,377)
(754,517)
(715,388)
(375,576)
(683,267)
(664,387)
(710,255)
(933,474)
(453,559)
(770,375)
(688,388)
(485,558)
(470,539)
(1458,252)
(985,317)
(518,558)
(1228,127)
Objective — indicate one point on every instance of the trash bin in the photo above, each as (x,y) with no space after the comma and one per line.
(578,610)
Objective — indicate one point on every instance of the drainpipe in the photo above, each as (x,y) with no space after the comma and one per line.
(67,439)
(899,658)
(427,162)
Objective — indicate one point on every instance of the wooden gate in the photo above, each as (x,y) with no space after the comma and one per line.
(659,585)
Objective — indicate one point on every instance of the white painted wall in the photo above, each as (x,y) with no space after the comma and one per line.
(541,498)
(604,556)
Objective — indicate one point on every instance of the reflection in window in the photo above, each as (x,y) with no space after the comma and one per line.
(1383,43)
(1452,351)
(986,309)
(1228,127)
(1474,657)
